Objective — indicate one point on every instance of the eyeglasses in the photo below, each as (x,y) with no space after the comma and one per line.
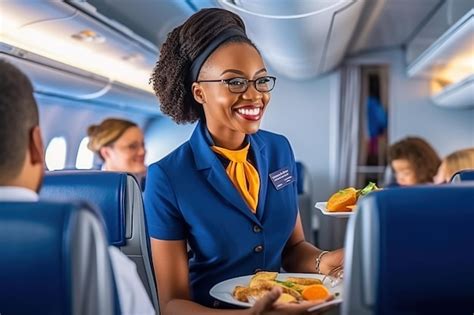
(240,85)
(132,147)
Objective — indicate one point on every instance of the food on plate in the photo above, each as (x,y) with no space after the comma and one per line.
(295,289)
(346,199)
(343,198)
(315,292)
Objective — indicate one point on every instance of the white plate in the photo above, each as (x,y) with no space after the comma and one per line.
(223,290)
(322,206)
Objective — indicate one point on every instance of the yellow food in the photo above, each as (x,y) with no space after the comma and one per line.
(292,288)
(286,298)
(343,198)
(346,199)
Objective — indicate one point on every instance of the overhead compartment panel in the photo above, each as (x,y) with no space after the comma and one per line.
(299,39)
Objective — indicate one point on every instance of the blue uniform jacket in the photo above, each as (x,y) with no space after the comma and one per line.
(189,196)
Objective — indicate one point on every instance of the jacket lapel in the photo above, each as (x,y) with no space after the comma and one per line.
(206,160)
(257,145)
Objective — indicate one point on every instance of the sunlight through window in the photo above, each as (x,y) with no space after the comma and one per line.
(56,154)
(85,157)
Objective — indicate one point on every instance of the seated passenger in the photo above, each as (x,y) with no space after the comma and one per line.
(413,161)
(120,144)
(22,170)
(454,162)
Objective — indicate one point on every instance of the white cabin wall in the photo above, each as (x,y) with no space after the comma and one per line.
(300,110)
(162,136)
(304,112)
(411,112)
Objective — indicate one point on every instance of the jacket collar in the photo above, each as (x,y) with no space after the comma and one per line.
(206,159)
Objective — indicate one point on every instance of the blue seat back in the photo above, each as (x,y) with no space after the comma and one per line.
(118,197)
(45,260)
(106,190)
(410,251)
(462,176)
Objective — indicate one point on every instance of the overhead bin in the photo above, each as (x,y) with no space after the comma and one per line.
(51,78)
(69,53)
(449,63)
(61,32)
(299,39)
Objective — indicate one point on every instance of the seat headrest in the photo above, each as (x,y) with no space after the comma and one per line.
(423,241)
(39,266)
(106,190)
(464,175)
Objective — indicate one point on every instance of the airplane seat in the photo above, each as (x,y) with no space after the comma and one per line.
(305,205)
(409,251)
(54,260)
(462,176)
(120,200)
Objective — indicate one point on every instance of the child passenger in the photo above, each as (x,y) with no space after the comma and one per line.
(413,161)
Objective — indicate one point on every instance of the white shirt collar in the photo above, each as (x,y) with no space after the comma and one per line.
(13,193)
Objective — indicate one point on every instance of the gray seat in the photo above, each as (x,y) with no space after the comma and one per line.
(54,260)
(119,198)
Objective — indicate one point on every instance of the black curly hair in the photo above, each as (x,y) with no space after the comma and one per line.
(171,75)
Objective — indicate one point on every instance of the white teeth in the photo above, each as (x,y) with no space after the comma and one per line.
(249,112)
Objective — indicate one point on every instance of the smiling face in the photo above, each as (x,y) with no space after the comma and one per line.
(127,153)
(230,116)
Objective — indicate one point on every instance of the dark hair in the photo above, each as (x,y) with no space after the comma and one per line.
(183,45)
(18,115)
(419,153)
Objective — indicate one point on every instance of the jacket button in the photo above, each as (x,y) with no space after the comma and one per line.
(216,304)
(258,248)
(257,229)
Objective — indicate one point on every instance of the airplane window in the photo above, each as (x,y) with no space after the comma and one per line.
(85,157)
(56,154)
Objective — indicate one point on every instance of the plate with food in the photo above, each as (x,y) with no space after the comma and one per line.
(343,203)
(297,287)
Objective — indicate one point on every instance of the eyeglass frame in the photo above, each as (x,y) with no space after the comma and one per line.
(226,81)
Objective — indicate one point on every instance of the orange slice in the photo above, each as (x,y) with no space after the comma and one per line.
(315,292)
(343,198)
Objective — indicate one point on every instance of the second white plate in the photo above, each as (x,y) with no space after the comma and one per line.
(322,206)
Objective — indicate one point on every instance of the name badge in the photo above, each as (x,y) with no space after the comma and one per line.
(281,178)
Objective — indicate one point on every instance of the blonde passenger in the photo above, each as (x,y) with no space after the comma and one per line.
(454,162)
(120,144)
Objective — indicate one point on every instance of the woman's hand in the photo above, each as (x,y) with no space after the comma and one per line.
(267,305)
(331,261)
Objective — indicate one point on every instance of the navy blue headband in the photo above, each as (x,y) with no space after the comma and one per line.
(202,57)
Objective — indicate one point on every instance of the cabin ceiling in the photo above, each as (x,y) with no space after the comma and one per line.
(383,24)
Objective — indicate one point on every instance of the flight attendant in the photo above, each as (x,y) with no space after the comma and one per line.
(230,190)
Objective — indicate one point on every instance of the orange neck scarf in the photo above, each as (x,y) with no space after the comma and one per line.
(242,173)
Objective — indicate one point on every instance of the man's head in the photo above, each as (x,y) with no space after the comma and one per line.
(21,147)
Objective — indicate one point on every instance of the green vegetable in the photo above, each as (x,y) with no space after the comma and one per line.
(287,284)
(367,189)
